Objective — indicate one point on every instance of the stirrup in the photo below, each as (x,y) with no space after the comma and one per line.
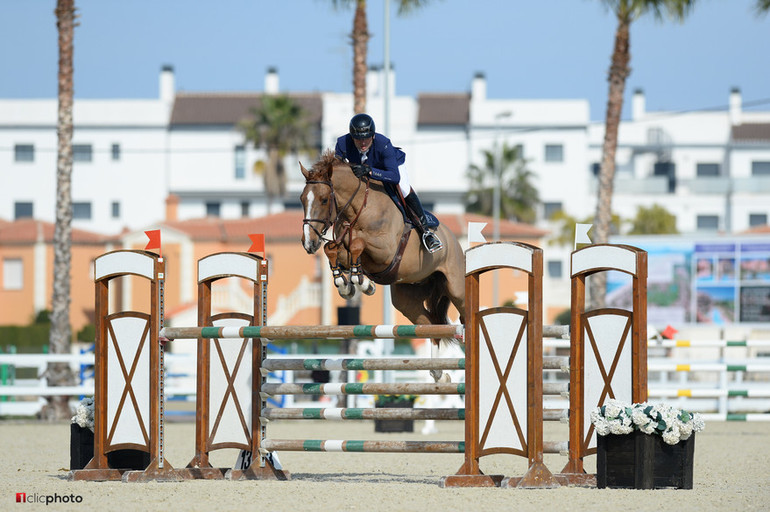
(432,245)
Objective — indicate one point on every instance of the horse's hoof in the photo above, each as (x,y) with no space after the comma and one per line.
(347,292)
(370,289)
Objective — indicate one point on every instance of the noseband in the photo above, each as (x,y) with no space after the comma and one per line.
(327,222)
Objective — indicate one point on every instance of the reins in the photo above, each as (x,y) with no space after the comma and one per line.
(346,227)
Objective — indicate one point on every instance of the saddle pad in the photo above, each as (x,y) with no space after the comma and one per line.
(390,188)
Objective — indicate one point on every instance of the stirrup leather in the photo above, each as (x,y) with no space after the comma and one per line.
(437,245)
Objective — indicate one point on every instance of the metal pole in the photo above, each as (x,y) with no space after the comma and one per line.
(387,314)
(496,198)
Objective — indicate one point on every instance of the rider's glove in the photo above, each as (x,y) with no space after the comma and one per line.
(361,170)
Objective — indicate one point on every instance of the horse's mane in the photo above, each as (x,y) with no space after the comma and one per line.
(325,164)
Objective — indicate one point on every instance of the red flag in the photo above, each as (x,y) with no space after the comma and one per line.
(154,237)
(257,243)
(669,332)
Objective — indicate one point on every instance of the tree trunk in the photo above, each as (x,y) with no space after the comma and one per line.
(619,71)
(272,177)
(59,374)
(360,39)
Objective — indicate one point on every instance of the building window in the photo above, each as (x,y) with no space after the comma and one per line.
(212,209)
(554,269)
(82,153)
(760,168)
(240,162)
(708,222)
(707,170)
(554,153)
(115,209)
(23,210)
(757,219)
(244,208)
(115,152)
(81,211)
(550,209)
(13,274)
(24,153)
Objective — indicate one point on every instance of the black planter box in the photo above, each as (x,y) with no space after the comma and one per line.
(82,451)
(643,461)
(394,425)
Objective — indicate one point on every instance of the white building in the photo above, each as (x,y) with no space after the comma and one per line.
(711,169)
(119,175)
(133,158)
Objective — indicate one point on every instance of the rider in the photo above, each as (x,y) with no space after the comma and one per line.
(372,154)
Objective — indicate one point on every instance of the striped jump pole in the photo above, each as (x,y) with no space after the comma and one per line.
(317,332)
(274,413)
(364,364)
(365,388)
(310,445)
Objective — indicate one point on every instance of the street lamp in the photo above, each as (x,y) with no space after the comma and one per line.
(496,195)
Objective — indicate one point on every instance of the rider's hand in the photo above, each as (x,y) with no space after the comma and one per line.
(361,170)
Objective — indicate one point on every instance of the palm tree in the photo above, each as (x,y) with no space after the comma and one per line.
(279,126)
(59,374)
(360,39)
(626,11)
(762,7)
(519,197)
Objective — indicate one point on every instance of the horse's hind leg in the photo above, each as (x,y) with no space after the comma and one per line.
(410,300)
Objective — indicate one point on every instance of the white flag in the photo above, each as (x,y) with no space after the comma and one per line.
(581,235)
(474,232)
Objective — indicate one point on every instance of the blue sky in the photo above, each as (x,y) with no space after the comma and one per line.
(527,49)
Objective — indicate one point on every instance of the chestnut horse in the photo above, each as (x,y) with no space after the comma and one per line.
(366,231)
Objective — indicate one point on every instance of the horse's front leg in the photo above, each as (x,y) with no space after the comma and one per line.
(344,287)
(357,276)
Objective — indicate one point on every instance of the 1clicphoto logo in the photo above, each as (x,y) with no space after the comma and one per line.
(47,499)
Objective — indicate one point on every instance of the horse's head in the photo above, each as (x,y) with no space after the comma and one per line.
(318,202)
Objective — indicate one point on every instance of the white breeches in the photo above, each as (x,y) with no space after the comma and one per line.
(403,182)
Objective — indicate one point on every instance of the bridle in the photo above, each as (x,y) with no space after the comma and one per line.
(334,206)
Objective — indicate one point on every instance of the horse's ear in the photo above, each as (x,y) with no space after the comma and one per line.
(305,172)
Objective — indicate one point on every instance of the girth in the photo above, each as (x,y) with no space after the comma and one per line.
(388,276)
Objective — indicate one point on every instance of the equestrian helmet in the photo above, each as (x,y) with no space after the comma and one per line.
(361,126)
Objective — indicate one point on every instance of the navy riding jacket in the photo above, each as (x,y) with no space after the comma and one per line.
(382,156)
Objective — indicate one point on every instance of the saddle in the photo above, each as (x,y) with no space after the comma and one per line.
(388,276)
(395,195)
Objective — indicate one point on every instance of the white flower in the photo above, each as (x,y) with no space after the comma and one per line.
(671,436)
(640,418)
(618,426)
(685,428)
(612,409)
(84,414)
(602,427)
(671,423)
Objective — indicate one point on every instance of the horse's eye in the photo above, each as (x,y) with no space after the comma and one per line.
(325,200)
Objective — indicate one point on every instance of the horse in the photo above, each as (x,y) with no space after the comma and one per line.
(370,241)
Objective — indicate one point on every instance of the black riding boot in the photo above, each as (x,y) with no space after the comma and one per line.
(429,238)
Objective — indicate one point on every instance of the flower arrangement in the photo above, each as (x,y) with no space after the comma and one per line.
(674,425)
(84,414)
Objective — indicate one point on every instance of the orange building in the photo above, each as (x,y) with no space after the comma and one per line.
(300,289)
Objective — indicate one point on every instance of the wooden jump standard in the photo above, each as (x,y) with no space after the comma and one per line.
(503,370)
